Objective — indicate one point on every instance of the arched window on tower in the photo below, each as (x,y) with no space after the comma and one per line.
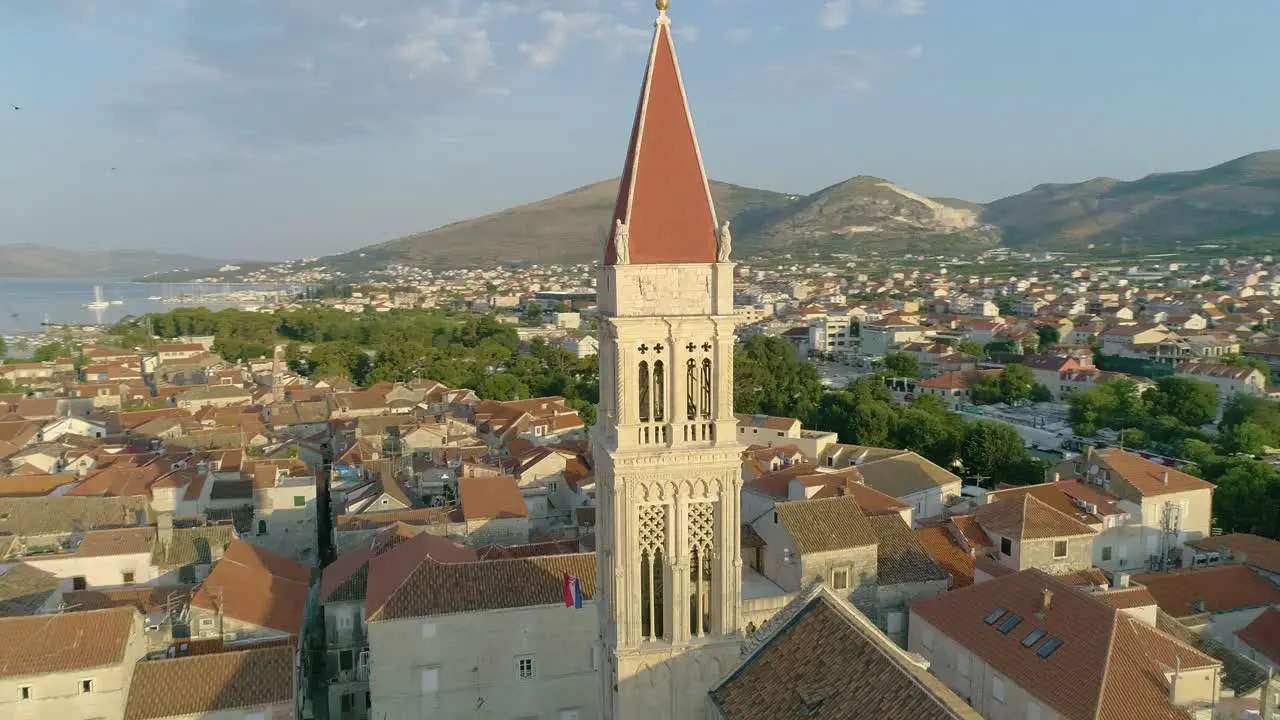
(644,391)
(691,389)
(706,389)
(659,391)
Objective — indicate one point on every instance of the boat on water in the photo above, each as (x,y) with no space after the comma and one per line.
(155,298)
(98,303)
(116,302)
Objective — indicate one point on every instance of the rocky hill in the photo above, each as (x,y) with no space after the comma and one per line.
(1237,199)
(863,211)
(29,260)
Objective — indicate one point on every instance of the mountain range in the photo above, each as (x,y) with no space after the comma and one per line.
(30,260)
(1237,202)
(1163,212)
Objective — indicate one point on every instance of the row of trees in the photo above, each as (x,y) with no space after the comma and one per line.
(769,380)
(465,350)
(1173,419)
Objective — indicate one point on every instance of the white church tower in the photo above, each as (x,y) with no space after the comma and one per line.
(665,445)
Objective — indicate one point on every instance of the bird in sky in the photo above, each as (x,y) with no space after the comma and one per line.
(15,107)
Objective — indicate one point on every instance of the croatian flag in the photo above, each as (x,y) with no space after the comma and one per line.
(572,591)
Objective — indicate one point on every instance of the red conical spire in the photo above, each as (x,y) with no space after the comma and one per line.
(664,199)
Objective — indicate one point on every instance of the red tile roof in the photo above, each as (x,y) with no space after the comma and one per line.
(663,196)
(937,541)
(256,586)
(1263,634)
(43,644)
(1215,589)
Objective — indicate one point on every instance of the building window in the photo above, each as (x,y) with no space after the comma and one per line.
(526,668)
(659,391)
(840,579)
(86,686)
(691,390)
(346,660)
(1006,547)
(997,689)
(644,391)
(348,703)
(893,621)
(126,576)
(299,501)
(706,389)
(1059,549)
(24,692)
(206,623)
(429,680)
(78,583)
(1106,553)
(262,527)
(344,621)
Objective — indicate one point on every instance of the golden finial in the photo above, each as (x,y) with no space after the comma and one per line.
(662,5)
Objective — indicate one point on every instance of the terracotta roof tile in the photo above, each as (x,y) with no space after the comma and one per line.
(663,195)
(943,548)
(1053,494)
(65,642)
(1146,476)
(1028,519)
(825,664)
(1110,666)
(144,598)
(1263,634)
(971,531)
(1127,598)
(825,525)
(1217,589)
(258,587)
(491,497)
(1244,548)
(441,589)
(24,589)
(900,557)
(256,678)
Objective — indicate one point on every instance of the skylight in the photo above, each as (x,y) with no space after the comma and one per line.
(1049,647)
(1032,638)
(1009,623)
(994,616)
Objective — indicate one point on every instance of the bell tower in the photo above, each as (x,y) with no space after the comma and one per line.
(666,455)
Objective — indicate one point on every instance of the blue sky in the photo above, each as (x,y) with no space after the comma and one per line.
(285,128)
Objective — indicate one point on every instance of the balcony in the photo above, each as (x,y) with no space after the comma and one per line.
(354,675)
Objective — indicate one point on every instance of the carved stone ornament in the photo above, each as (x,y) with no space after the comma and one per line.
(724,243)
(621,244)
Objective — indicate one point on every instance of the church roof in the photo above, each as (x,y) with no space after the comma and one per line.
(663,197)
(829,661)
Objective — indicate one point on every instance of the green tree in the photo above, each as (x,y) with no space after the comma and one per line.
(1133,438)
(999,346)
(1191,402)
(969,347)
(989,448)
(1041,393)
(1195,450)
(532,314)
(1247,497)
(4,349)
(52,351)
(902,365)
(1248,437)
(503,386)
(7,386)
(1049,336)
(769,379)
(1015,383)
(936,436)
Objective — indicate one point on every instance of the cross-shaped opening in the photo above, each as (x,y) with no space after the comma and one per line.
(657,348)
(643,348)
(706,347)
(690,347)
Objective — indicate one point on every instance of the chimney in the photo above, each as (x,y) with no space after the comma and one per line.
(164,528)
(1120,582)
(1056,476)
(1046,599)
(1164,477)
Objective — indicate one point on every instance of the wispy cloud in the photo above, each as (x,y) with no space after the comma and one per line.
(915,52)
(316,71)
(739,35)
(836,14)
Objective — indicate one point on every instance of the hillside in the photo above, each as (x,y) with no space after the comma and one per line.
(29,260)
(566,228)
(571,227)
(1239,199)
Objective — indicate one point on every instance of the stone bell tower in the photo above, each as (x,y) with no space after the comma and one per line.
(665,444)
